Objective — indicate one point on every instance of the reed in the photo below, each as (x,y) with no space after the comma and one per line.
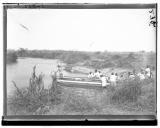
(135,95)
(34,99)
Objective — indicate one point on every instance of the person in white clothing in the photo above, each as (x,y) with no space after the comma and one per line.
(141,76)
(113,79)
(148,74)
(90,75)
(99,74)
(117,77)
(131,75)
(121,78)
(59,71)
(104,80)
(107,78)
(148,71)
(96,74)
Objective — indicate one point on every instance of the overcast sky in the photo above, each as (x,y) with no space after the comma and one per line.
(80,29)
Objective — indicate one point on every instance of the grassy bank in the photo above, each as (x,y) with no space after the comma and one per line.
(136,96)
(34,99)
(128,97)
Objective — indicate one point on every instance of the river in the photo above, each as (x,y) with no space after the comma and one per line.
(20,72)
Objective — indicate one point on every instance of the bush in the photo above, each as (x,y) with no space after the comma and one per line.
(135,95)
(115,57)
(128,91)
(33,104)
(99,64)
(74,57)
(11,57)
(34,100)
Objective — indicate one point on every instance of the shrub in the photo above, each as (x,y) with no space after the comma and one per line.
(135,95)
(99,64)
(11,57)
(74,57)
(34,100)
(128,91)
(115,57)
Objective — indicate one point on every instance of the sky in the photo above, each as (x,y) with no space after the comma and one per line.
(80,29)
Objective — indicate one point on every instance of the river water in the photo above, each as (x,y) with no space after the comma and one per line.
(20,72)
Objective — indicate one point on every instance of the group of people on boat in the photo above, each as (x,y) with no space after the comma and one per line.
(106,79)
(113,78)
(96,74)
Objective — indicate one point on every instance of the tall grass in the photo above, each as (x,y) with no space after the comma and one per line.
(128,91)
(135,95)
(33,100)
(77,103)
(129,96)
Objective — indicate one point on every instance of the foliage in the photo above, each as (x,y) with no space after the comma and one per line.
(135,95)
(75,57)
(33,100)
(76,103)
(97,60)
(127,96)
(99,64)
(128,91)
(11,57)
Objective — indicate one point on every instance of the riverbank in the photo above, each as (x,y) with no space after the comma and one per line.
(121,100)
(73,100)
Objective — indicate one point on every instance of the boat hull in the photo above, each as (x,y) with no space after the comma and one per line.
(79,83)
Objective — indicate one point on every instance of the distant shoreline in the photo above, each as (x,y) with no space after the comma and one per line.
(94,60)
(141,51)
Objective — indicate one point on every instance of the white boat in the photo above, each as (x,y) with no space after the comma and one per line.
(79,82)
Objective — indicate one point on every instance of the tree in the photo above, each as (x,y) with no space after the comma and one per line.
(22,52)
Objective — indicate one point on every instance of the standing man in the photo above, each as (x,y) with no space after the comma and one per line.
(59,71)
(104,81)
(113,79)
(59,68)
(148,72)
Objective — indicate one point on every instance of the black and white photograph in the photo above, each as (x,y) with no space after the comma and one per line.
(80,60)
